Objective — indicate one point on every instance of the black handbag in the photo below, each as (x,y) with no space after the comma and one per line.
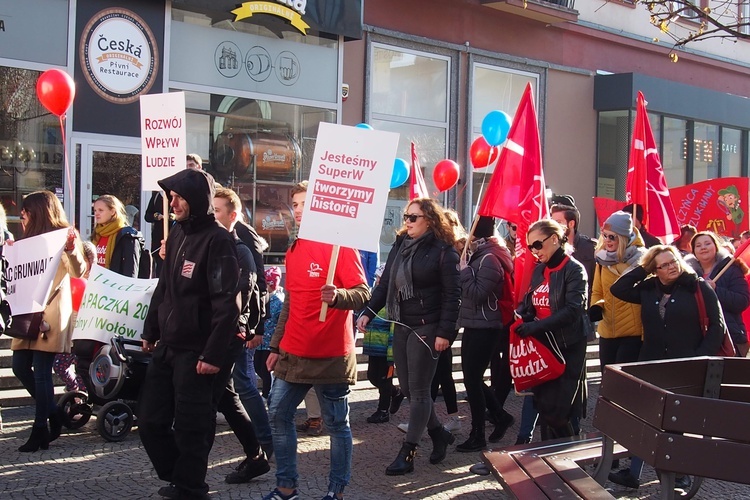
(25,326)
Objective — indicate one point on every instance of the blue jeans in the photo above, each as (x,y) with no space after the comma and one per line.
(247,389)
(34,370)
(334,403)
(529,416)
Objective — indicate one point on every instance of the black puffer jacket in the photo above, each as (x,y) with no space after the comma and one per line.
(568,301)
(437,292)
(126,256)
(679,334)
(195,305)
(482,286)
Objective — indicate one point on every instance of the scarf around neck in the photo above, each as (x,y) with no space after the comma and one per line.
(110,230)
(401,284)
(632,256)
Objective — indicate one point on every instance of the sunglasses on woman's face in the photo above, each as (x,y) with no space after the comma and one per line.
(412,217)
(512,227)
(610,237)
(539,244)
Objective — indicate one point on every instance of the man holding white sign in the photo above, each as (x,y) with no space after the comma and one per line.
(307,352)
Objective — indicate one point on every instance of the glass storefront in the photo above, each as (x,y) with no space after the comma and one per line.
(31,149)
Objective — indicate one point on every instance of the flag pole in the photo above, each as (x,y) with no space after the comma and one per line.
(468,237)
(715,278)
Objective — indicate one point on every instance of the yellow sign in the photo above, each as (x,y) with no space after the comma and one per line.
(247,9)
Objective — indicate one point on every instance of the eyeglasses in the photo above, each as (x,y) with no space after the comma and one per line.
(610,237)
(539,244)
(512,227)
(412,217)
(667,265)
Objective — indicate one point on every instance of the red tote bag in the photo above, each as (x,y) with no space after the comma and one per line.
(531,362)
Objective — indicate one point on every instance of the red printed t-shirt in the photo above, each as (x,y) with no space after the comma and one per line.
(101,250)
(306,272)
(540,295)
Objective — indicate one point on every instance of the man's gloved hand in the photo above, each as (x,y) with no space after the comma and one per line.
(596,313)
(531,328)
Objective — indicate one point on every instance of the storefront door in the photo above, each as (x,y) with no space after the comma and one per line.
(114,170)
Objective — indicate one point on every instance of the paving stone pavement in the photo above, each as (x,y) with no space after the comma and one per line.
(82,465)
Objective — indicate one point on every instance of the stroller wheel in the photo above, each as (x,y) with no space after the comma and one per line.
(114,421)
(75,408)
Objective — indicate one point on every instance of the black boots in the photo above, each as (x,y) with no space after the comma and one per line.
(39,439)
(404,462)
(502,420)
(55,424)
(441,438)
(476,441)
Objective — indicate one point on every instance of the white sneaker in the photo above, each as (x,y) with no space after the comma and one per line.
(453,424)
(403,427)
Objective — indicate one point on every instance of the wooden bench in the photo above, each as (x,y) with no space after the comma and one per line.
(550,469)
(684,416)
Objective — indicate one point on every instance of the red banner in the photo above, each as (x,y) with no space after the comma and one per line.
(713,205)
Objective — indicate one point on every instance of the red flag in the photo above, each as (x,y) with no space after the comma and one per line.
(604,207)
(417,186)
(646,184)
(743,252)
(516,190)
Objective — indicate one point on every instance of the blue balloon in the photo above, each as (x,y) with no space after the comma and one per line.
(364,126)
(400,172)
(495,127)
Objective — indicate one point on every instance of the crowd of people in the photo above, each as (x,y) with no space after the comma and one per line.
(220,320)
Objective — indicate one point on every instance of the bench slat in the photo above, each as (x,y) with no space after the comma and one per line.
(545,477)
(511,475)
(709,417)
(579,481)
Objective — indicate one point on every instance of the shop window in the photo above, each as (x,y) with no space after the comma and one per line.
(731,152)
(260,149)
(744,16)
(613,148)
(31,149)
(673,157)
(493,88)
(704,151)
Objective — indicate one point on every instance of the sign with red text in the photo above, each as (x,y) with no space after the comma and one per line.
(716,205)
(163,136)
(348,187)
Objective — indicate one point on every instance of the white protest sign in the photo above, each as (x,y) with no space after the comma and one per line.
(32,265)
(163,136)
(113,305)
(348,186)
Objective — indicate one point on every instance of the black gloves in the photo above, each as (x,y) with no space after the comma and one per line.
(531,328)
(596,313)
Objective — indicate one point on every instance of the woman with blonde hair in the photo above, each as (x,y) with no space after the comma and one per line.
(421,291)
(118,246)
(42,212)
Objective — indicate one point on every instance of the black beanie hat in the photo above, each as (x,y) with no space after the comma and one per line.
(485,227)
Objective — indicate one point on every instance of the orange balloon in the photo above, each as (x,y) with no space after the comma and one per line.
(56,90)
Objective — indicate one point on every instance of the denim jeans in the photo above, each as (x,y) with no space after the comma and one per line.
(247,389)
(334,402)
(34,370)
(529,416)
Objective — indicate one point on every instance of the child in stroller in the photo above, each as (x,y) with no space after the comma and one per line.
(113,374)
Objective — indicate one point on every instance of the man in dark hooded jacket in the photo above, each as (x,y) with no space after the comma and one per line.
(191,321)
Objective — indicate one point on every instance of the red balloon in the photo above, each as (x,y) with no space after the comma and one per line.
(56,90)
(482,154)
(77,287)
(445,174)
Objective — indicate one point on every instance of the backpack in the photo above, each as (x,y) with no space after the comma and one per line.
(146,262)
(6,317)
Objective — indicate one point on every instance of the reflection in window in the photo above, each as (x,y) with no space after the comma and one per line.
(493,88)
(259,149)
(703,150)
(673,156)
(31,149)
(614,146)
(731,152)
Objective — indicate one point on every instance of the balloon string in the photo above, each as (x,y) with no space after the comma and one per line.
(65,156)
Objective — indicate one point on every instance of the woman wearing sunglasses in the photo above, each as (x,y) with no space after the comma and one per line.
(556,302)
(665,287)
(619,250)
(421,292)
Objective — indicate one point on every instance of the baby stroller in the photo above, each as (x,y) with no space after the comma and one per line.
(114,380)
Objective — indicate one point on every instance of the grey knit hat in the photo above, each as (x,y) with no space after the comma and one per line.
(620,223)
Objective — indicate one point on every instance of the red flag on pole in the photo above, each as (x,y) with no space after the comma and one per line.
(646,184)
(417,186)
(743,252)
(516,190)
